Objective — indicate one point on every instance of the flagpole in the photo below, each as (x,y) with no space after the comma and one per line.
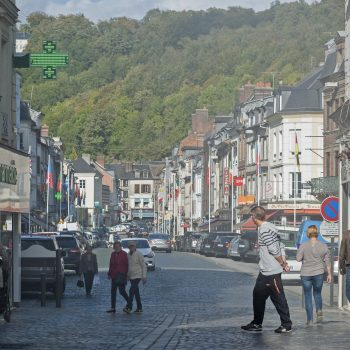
(232,191)
(174,229)
(61,166)
(191,197)
(295,177)
(48,193)
(258,169)
(209,179)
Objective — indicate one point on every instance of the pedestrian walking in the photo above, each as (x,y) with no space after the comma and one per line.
(137,271)
(89,268)
(314,256)
(344,260)
(117,273)
(269,282)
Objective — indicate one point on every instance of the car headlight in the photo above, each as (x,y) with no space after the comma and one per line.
(150,255)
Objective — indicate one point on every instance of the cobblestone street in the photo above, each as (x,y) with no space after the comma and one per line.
(189,303)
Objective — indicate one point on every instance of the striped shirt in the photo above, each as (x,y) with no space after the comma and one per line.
(269,248)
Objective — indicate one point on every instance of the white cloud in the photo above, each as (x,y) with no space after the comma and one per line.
(105,9)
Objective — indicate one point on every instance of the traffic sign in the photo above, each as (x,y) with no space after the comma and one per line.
(330,209)
(328,229)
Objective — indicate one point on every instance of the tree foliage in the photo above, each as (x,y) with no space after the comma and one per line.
(132,86)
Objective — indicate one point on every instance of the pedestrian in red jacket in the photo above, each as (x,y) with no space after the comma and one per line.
(118,269)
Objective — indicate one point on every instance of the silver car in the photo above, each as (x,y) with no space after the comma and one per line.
(160,242)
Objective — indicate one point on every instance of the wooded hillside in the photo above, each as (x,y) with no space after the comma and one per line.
(131,86)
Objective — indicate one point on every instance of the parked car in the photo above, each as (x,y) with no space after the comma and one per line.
(38,256)
(78,235)
(199,246)
(144,248)
(160,242)
(71,245)
(209,242)
(248,247)
(220,246)
(232,250)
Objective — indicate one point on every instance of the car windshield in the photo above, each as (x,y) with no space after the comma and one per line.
(67,242)
(140,243)
(46,243)
(291,254)
(158,236)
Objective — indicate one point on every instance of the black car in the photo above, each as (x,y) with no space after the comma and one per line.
(248,247)
(209,241)
(71,245)
(39,257)
(221,245)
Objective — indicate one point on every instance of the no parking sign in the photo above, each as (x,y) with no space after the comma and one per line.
(330,209)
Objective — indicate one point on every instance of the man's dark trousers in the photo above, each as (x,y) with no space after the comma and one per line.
(270,286)
(122,292)
(134,291)
(89,279)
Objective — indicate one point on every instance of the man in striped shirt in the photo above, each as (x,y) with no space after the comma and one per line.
(269,283)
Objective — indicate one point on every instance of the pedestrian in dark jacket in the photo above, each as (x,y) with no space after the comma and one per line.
(89,268)
(269,282)
(118,269)
(344,260)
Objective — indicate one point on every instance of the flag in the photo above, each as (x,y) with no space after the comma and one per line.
(297,152)
(49,175)
(59,181)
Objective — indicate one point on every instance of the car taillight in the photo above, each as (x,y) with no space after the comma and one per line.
(75,250)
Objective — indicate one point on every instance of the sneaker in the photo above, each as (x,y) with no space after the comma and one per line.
(138,311)
(252,327)
(282,329)
(319,317)
(111,311)
(309,323)
(127,310)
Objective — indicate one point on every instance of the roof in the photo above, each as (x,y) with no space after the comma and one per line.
(80,166)
(122,173)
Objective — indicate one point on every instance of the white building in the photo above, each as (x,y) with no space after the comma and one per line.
(88,192)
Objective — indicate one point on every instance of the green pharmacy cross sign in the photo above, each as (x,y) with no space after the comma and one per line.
(48,60)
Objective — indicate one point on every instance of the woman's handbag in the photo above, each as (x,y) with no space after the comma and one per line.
(80,283)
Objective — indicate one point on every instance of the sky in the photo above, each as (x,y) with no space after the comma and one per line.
(97,10)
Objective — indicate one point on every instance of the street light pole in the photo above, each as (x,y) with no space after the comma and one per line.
(209,180)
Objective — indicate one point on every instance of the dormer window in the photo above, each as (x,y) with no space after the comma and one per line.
(137,174)
(145,174)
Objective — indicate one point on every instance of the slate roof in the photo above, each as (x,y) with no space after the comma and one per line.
(80,166)
(122,174)
(306,95)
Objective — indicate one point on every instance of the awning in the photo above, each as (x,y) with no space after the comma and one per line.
(249,224)
(302,211)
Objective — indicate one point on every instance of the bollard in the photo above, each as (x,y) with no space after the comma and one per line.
(43,289)
(331,287)
(58,279)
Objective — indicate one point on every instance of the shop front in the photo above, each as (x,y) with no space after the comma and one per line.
(14,200)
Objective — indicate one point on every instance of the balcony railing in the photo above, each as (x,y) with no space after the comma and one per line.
(325,186)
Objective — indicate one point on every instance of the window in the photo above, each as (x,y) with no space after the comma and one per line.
(137,203)
(146,203)
(137,174)
(82,184)
(125,194)
(336,164)
(280,186)
(21,144)
(295,185)
(280,144)
(274,146)
(125,206)
(137,189)
(145,188)
(145,174)
(125,183)
(328,164)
